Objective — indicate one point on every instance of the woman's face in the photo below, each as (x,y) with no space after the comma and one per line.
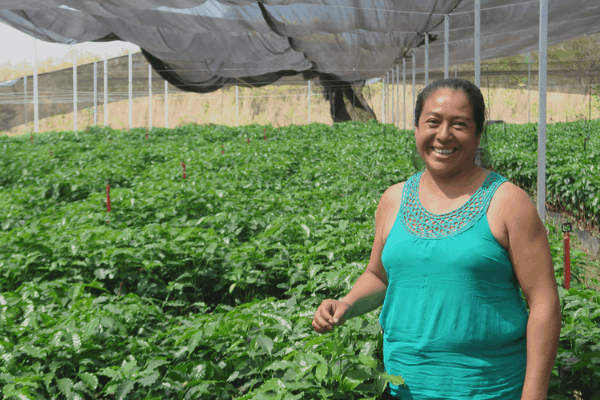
(446,123)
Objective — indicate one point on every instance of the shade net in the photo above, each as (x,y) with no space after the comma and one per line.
(204,45)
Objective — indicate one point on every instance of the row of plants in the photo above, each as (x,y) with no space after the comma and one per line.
(205,287)
(572,163)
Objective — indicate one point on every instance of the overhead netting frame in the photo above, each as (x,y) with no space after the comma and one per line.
(204,45)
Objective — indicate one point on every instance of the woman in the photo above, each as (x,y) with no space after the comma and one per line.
(453,245)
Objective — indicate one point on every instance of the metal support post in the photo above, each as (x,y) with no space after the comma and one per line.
(398,96)
(393,119)
(529,87)
(25,99)
(541,178)
(150,96)
(382,100)
(478,43)
(35,87)
(414,62)
(74,90)
(446,44)
(105,92)
(404,93)
(309,95)
(387,97)
(426,59)
(95,93)
(130,91)
(166,104)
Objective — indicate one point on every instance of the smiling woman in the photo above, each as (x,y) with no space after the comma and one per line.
(453,246)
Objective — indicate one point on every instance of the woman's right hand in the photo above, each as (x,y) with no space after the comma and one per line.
(331,312)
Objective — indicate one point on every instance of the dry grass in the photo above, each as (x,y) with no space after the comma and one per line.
(287,105)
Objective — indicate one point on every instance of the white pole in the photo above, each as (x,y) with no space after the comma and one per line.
(382,100)
(397,96)
(150,96)
(387,98)
(95,93)
(130,91)
(541,178)
(414,60)
(478,43)
(529,87)
(35,87)
(426,59)
(404,93)
(446,44)
(309,101)
(166,104)
(105,92)
(74,90)
(392,97)
(25,100)
(236,105)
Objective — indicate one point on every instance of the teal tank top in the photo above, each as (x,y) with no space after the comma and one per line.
(454,322)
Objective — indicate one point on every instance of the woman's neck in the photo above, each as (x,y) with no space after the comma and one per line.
(452,186)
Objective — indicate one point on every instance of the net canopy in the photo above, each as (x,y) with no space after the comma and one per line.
(204,45)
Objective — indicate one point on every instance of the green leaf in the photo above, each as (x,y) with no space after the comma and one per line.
(265,343)
(148,379)
(393,379)
(65,386)
(321,372)
(306,229)
(89,380)
(124,389)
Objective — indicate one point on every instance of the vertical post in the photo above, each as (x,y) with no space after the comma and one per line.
(95,93)
(382,100)
(446,44)
(35,87)
(529,87)
(414,61)
(309,95)
(590,104)
(455,72)
(74,90)
(236,105)
(426,59)
(398,96)
(403,93)
(105,92)
(393,110)
(387,97)
(130,91)
(478,43)
(25,99)
(541,178)
(166,104)
(150,96)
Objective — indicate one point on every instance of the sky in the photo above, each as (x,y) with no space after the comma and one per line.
(20,47)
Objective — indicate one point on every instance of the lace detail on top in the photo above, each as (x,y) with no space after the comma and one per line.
(421,223)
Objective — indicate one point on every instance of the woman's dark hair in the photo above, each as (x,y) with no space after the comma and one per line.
(469,89)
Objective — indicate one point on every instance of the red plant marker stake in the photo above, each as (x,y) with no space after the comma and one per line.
(50,153)
(108,200)
(248,140)
(183,165)
(566,237)
(222,150)
(31,139)
(146,135)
